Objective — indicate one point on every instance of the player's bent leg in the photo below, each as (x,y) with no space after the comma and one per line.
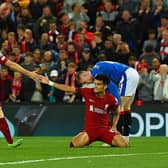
(119,141)
(126,102)
(125,112)
(1,113)
(80,140)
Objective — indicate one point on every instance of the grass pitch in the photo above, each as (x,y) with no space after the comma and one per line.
(54,152)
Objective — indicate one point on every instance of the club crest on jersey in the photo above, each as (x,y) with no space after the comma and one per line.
(106,106)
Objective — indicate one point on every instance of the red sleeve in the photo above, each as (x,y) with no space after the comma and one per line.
(114,103)
(3,59)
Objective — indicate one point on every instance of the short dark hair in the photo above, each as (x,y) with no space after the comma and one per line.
(103,78)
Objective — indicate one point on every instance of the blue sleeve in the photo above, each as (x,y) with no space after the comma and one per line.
(114,91)
(95,71)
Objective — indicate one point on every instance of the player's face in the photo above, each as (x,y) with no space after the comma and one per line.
(99,87)
(85,78)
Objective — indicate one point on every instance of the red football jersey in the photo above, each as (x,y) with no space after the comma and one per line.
(97,109)
(3,59)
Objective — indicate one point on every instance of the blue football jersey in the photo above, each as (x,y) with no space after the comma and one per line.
(113,70)
(113,90)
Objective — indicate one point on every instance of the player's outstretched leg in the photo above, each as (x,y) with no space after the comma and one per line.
(5,130)
(80,140)
(16,143)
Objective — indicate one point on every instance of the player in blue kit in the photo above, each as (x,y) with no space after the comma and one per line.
(124,81)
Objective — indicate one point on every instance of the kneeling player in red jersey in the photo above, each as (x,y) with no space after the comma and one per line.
(97,121)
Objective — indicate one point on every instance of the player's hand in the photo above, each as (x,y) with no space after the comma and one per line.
(33,75)
(72,98)
(44,80)
(113,129)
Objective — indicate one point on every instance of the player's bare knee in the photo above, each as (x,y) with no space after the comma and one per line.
(124,144)
(74,145)
(119,141)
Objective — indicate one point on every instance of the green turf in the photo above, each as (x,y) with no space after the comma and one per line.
(145,154)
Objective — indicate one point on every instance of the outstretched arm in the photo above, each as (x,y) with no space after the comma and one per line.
(62,87)
(17,67)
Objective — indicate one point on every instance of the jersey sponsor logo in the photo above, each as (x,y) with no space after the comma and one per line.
(98,110)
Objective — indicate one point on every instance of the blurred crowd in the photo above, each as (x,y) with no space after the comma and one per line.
(57,38)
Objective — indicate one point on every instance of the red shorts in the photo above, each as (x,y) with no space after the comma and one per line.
(101,134)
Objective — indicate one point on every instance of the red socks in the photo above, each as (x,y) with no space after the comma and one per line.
(125,112)
(5,130)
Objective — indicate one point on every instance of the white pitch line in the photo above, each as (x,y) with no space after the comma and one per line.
(78,157)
